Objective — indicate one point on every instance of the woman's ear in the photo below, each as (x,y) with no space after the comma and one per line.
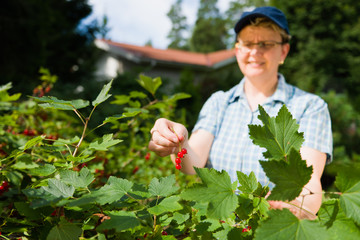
(285,50)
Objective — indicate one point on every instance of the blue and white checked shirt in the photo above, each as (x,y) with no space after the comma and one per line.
(227,115)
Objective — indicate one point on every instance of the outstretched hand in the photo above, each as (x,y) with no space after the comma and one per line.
(166,136)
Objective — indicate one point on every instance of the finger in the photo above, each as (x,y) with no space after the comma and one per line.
(161,150)
(160,140)
(164,129)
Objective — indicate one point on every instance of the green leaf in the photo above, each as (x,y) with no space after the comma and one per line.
(64,231)
(103,95)
(278,135)
(115,189)
(216,189)
(289,177)
(120,221)
(177,97)
(120,99)
(118,117)
(169,204)
(283,225)
(104,143)
(137,94)
(54,103)
(337,224)
(350,197)
(25,162)
(32,142)
(150,84)
(5,97)
(164,187)
(43,170)
(79,159)
(59,189)
(248,184)
(77,179)
(24,209)
(61,142)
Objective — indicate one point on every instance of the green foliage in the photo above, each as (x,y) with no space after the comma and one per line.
(209,30)
(66,182)
(179,26)
(282,224)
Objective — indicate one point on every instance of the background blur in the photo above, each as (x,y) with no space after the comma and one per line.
(59,35)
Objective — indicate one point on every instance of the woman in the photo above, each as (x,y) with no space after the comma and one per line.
(220,137)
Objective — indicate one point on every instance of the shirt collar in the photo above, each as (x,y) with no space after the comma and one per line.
(280,94)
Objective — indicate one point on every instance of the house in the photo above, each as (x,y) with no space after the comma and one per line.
(169,63)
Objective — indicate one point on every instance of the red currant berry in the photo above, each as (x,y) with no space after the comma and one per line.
(147,156)
(245,230)
(178,166)
(184,151)
(249,227)
(135,169)
(164,233)
(180,154)
(177,160)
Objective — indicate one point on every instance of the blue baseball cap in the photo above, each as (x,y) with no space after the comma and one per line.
(272,13)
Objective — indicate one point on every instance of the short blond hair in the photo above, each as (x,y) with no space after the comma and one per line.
(267,23)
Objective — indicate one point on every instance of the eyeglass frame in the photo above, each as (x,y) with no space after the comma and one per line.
(262,45)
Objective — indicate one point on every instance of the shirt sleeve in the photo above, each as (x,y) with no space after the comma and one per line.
(316,126)
(209,115)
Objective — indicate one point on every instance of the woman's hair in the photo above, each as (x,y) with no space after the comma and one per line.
(267,23)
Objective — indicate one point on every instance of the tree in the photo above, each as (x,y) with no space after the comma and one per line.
(209,32)
(179,27)
(46,33)
(326,46)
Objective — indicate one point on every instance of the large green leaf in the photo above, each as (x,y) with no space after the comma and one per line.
(46,195)
(163,187)
(103,95)
(77,179)
(338,225)
(120,221)
(150,84)
(59,189)
(64,231)
(289,177)
(278,135)
(104,143)
(169,204)
(54,103)
(283,225)
(350,197)
(217,190)
(115,189)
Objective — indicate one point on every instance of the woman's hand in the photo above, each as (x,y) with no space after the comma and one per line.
(299,210)
(166,137)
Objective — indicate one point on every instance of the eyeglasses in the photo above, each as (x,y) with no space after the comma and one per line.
(264,46)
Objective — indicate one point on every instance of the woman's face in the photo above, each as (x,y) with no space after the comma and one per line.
(260,61)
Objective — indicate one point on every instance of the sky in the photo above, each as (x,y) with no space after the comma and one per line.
(139,21)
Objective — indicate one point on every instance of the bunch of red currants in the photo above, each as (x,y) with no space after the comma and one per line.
(180,155)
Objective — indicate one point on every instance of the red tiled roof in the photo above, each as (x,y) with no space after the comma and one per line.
(172,55)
